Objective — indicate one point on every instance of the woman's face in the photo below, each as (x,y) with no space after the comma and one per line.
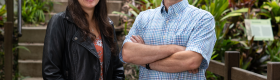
(88,4)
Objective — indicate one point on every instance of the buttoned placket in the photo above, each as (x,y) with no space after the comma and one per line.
(165,27)
(168,20)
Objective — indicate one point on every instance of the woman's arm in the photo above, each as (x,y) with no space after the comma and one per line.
(53,49)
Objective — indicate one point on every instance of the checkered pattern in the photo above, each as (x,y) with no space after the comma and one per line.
(182,25)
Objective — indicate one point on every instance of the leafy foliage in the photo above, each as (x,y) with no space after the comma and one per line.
(219,9)
(33,11)
(271,10)
(2,62)
(2,12)
(273,50)
(195,2)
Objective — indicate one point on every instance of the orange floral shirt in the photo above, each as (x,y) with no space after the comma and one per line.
(99,48)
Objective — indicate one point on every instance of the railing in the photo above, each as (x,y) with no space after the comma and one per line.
(19,18)
(230,71)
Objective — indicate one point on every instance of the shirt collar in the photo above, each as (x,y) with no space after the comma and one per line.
(175,8)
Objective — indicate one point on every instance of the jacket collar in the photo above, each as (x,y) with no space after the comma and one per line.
(68,15)
(88,44)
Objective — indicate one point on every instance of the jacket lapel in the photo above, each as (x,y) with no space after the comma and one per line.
(88,44)
(106,54)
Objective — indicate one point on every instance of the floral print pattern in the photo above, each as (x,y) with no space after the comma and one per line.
(99,49)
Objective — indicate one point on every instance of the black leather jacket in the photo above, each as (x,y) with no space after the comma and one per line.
(67,57)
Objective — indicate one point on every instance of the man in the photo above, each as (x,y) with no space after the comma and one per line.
(174,41)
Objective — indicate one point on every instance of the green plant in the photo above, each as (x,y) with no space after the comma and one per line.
(2,12)
(223,45)
(212,76)
(33,10)
(231,35)
(16,73)
(135,10)
(195,2)
(271,10)
(273,50)
(253,56)
(219,9)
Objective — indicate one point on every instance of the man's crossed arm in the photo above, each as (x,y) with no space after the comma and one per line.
(165,58)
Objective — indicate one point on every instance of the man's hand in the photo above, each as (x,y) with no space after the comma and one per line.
(193,71)
(138,39)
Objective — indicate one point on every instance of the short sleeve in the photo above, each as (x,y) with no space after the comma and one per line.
(202,39)
(133,31)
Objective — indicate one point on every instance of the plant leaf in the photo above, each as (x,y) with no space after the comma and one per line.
(241,10)
(277,18)
(134,13)
(22,47)
(125,27)
(134,8)
(230,15)
(115,12)
(265,14)
(214,56)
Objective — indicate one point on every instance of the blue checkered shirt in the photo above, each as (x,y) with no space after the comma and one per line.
(183,25)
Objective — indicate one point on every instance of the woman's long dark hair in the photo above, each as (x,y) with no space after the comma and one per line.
(101,19)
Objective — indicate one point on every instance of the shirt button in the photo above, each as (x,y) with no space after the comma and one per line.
(166,21)
(163,36)
(176,14)
(76,38)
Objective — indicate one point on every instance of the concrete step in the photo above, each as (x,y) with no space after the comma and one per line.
(115,18)
(48,16)
(59,7)
(32,78)
(32,68)
(33,34)
(36,51)
(114,6)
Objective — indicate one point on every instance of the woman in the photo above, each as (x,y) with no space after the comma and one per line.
(80,44)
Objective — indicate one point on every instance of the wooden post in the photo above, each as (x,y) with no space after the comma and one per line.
(10,10)
(273,71)
(8,40)
(231,60)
